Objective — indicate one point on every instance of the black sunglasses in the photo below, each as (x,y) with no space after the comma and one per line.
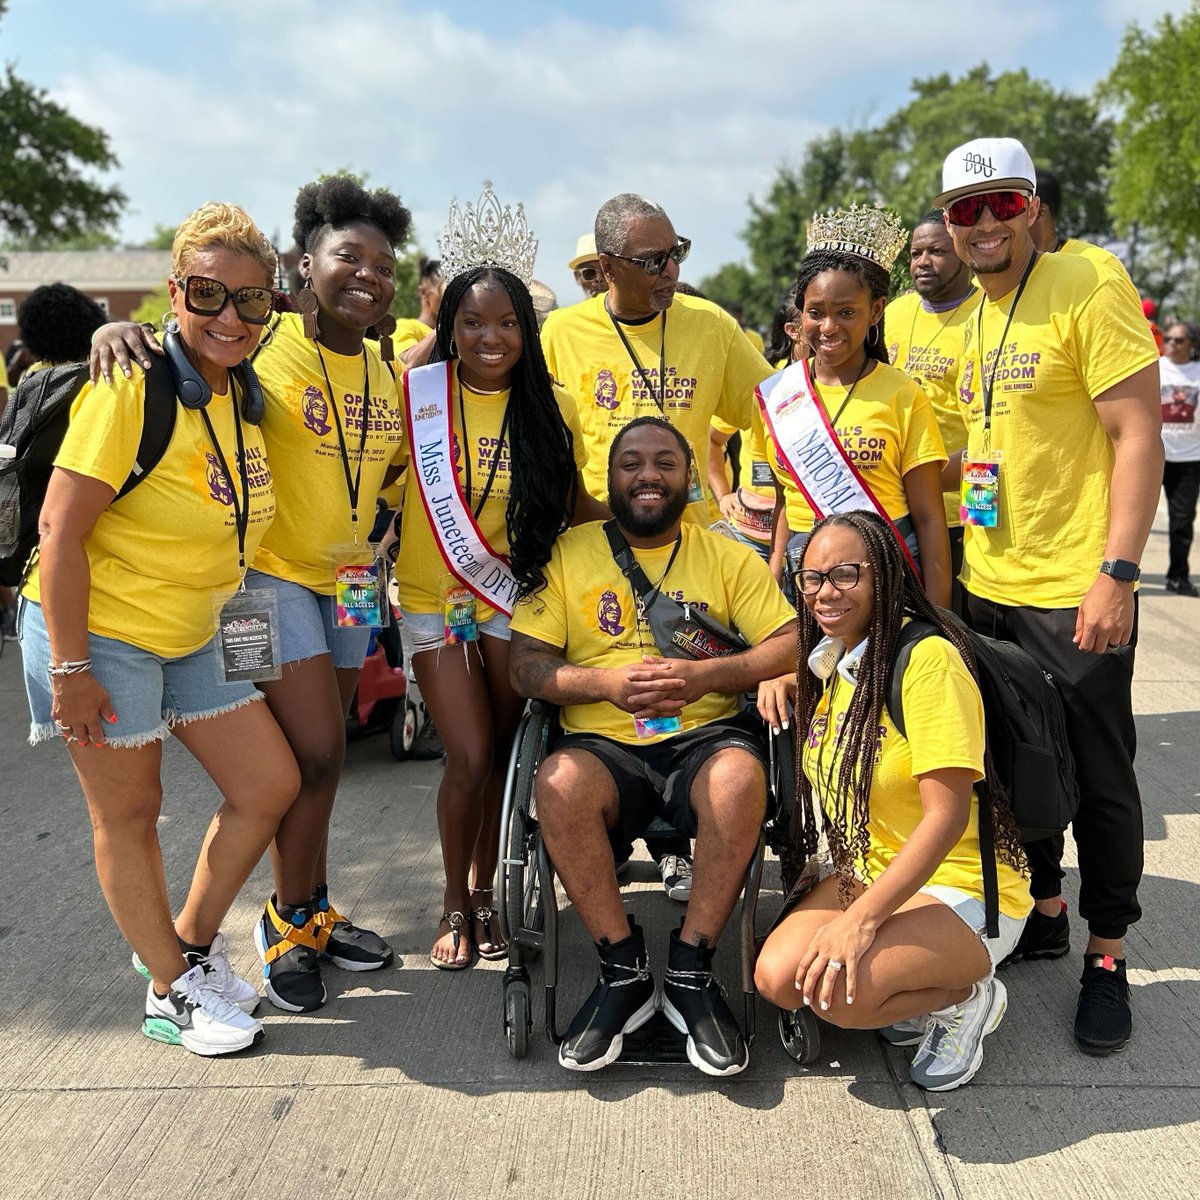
(653,264)
(587,274)
(207,298)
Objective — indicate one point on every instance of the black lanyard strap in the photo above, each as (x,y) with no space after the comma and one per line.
(837,416)
(241,511)
(466,452)
(637,366)
(352,484)
(988,382)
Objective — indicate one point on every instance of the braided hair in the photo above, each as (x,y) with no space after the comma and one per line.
(870,274)
(898,593)
(543,480)
(777,345)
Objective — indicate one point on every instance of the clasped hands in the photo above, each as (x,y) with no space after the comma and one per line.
(657,687)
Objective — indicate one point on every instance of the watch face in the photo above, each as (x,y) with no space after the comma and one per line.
(1125,572)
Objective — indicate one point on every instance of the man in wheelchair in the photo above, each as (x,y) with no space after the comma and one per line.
(647,735)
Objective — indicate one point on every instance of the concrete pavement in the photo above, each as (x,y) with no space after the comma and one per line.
(402,1084)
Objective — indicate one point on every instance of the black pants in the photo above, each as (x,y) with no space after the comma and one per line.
(1096,692)
(1181,482)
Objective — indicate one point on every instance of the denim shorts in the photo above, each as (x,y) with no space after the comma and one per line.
(148,693)
(973,914)
(427,631)
(308,624)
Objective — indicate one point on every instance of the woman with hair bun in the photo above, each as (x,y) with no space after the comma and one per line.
(486,414)
(334,432)
(118,643)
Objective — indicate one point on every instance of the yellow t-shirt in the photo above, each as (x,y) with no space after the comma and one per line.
(886,429)
(164,555)
(755,338)
(754,465)
(587,607)
(314,532)
(409,331)
(422,576)
(1076,332)
(711,369)
(925,344)
(943,713)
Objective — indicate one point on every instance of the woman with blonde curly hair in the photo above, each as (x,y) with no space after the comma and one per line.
(117,627)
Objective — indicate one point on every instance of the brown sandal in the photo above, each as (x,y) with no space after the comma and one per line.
(485,915)
(456,921)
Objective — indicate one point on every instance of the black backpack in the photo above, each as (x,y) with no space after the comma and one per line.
(1026,732)
(35,422)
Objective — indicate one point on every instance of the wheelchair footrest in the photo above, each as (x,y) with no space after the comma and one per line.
(658,1042)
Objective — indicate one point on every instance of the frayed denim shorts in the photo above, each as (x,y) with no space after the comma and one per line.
(971,911)
(308,624)
(427,631)
(148,693)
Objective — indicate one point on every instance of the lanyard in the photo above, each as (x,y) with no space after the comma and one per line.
(988,383)
(637,366)
(241,511)
(352,485)
(950,314)
(466,452)
(841,407)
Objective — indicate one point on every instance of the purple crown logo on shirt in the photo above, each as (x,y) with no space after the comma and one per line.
(218,485)
(315,409)
(608,614)
(965,394)
(606,389)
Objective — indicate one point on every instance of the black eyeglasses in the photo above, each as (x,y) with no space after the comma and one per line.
(1177,339)
(843,576)
(587,274)
(207,298)
(653,264)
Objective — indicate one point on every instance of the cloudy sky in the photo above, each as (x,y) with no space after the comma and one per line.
(692,102)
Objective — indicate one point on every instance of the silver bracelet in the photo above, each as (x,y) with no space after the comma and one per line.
(75,667)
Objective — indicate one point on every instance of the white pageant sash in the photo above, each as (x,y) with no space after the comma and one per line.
(428,397)
(809,446)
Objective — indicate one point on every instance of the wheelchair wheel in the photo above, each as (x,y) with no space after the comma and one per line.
(800,1034)
(518,1018)
(523,893)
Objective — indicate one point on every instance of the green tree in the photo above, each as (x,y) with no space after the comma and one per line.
(47,158)
(1155,176)
(899,162)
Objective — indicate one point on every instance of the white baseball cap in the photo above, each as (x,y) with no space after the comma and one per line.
(986,165)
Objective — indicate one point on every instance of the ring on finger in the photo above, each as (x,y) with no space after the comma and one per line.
(834,965)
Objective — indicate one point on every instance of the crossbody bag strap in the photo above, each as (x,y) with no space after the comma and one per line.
(632,570)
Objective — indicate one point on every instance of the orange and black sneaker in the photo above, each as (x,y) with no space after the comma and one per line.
(342,942)
(289,943)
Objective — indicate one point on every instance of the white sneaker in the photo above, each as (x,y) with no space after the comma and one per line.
(952,1050)
(905,1033)
(220,976)
(676,870)
(196,1016)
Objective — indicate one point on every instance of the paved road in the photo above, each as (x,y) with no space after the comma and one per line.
(402,1084)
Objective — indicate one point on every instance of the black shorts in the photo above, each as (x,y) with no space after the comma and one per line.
(656,780)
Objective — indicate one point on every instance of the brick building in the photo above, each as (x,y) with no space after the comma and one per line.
(118,280)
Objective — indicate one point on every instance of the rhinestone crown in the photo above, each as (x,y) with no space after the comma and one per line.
(487,234)
(862,229)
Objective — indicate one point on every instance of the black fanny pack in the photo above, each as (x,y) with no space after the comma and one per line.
(679,630)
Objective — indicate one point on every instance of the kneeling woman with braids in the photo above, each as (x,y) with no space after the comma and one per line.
(896,940)
(496,449)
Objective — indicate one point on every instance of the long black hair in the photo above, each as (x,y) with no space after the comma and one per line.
(778,345)
(872,276)
(898,593)
(543,479)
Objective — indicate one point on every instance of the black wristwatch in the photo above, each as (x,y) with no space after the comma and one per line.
(1121,569)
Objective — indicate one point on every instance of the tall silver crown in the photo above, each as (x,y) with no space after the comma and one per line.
(871,233)
(486,234)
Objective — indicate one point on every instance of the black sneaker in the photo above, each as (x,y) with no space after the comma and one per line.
(342,942)
(1042,937)
(288,944)
(694,1003)
(428,743)
(1181,587)
(1103,1021)
(622,1000)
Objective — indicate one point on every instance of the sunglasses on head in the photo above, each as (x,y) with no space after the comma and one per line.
(654,264)
(587,274)
(207,298)
(1004,206)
